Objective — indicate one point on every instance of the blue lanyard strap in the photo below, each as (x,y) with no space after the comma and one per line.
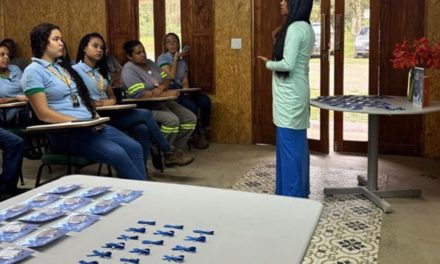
(174,226)
(129,260)
(204,232)
(125,237)
(137,230)
(151,242)
(142,222)
(100,254)
(178,259)
(141,251)
(164,233)
(114,245)
(86,262)
(185,249)
(201,239)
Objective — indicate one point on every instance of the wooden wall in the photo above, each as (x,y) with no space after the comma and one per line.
(75,18)
(232,106)
(432,121)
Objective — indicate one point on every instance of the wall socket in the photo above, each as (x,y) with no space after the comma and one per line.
(236,43)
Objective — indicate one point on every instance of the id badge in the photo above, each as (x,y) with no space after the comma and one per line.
(75,100)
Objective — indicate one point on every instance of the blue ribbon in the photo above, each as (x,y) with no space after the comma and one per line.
(203,232)
(137,230)
(142,222)
(85,262)
(125,237)
(100,254)
(141,251)
(185,249)
(151,242)
(178,259)
(201,239)
(114,245)
(136,261)
(165,233)
(174,226)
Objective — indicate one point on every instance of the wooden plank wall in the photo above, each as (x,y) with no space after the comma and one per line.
(75,19)
(232,104)
(432,121)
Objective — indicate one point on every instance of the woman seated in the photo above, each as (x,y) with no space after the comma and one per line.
(10,84)
(57,94)
(142,78)
(92,67)
(172,62)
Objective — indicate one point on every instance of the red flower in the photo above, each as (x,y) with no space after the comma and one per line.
(419,54)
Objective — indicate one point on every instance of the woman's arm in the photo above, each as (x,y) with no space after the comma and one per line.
(293,40)
(111,100)
(185,82)
(43,112)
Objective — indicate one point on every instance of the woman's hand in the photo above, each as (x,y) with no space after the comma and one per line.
(158,90)
(264,59)
(104,102)
(21,98)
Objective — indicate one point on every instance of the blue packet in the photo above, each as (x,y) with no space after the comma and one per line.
(64,189)
(126,196)
(73,203)
(15,230)
(42,237)
(42,199)
(93,191)
(102,206)
(77,222)
(14,211)
(43,215)
(13,254)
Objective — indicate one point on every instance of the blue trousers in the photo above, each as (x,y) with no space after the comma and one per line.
(12,147)
(142,123)
(195,102)
(292,163)
(107,145)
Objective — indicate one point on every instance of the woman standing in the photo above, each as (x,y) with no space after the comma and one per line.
(291,94)
(57,94)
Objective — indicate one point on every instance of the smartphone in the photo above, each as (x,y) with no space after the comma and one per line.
(185,48)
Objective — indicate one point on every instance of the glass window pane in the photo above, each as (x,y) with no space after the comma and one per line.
(146,27)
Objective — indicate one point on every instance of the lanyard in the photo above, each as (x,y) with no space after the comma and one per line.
(62,76)
(99,81)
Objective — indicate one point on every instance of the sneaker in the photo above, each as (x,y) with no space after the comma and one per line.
(177,158)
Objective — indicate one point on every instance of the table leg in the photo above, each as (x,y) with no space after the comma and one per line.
(369,187)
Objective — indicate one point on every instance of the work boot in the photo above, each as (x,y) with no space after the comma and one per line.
(200,139)
(177,158)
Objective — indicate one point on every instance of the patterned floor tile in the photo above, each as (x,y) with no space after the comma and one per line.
(349,229)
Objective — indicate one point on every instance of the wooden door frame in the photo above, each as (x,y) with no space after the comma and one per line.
(322,144)
(341,145)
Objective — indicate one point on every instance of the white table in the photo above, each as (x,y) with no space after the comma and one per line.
(115,107)
(187,90)
(68,125)
(148,100)
(249,227)
(371,190)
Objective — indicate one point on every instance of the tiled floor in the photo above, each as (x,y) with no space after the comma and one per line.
(411,234)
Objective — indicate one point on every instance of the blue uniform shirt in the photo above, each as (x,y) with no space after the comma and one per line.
(182,68)
(40,76)
(10,87)
(94,81)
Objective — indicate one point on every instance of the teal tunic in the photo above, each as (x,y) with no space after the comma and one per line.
(291,95)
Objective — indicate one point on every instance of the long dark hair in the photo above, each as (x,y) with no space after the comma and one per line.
(102,63)
(39,40)
(299,10)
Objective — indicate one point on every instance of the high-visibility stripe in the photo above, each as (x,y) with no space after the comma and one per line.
(169,130)
(163,75)
(135,88)
(188,126)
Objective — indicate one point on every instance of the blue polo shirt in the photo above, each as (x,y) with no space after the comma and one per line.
(10,87)
(50,78)
(167,59)
(94,81)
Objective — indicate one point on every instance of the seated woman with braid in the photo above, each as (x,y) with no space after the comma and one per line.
(142,78)
(58,94)
(92,67)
